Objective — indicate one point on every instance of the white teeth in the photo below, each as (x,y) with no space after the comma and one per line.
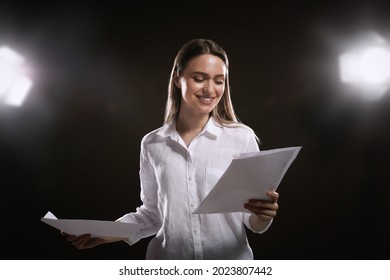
(205,99)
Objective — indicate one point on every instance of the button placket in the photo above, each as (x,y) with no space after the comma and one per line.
(193,201)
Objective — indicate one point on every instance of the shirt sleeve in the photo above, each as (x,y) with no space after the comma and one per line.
(251,142)
(248,225)
(147,213)
(252,146)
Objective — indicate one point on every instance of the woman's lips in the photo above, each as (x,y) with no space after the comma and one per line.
(205,100)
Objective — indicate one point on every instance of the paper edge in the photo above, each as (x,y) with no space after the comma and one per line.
(296,150)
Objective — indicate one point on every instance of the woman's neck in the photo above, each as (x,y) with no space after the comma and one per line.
(189,126)
(188,123)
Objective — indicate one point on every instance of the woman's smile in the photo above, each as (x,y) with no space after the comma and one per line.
(205,99)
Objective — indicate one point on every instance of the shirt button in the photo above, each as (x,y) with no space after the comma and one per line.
(189,178)
(195,231)
(192,205)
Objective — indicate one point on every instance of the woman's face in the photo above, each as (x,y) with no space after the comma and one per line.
(202,84)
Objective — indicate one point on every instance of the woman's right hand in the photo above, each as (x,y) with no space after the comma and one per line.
(85,241)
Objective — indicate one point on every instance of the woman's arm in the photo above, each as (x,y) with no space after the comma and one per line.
(263,211)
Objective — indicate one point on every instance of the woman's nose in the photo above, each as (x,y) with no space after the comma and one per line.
(208,87)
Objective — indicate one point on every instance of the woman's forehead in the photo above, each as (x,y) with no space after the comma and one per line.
(207,63)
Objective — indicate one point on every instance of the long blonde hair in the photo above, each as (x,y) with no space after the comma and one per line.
(223,113)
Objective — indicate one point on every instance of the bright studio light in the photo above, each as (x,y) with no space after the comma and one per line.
(368,67)
(14,83)
(374,65)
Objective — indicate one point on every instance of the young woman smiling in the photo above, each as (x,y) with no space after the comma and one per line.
(181,162)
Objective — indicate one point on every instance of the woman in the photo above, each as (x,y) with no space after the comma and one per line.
(181,162)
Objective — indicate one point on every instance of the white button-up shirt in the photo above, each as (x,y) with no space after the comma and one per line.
(175,179)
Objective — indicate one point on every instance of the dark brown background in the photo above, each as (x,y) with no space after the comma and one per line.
(101,74)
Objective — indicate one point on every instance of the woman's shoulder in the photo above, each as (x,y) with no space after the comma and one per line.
(242,136)
(238,128)
(159,133)
(150,136)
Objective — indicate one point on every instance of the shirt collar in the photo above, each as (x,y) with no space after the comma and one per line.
(169,129)
(212,127)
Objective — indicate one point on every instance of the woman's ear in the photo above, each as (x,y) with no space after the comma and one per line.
(176,80)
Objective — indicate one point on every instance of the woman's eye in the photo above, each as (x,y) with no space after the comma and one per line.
(219,82)
(198,80)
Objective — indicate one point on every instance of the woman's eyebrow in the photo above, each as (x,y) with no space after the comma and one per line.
(207,75)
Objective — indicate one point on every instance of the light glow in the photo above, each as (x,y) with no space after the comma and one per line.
(14,83)
(348,68)
(371,66)
(18,92)
(367,66)
(374,65)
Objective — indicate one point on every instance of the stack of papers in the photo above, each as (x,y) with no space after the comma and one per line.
(94,227)
(248,177)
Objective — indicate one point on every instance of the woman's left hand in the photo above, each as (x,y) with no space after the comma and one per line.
(263,210)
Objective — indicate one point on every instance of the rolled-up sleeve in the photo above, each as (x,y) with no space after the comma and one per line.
(248,224)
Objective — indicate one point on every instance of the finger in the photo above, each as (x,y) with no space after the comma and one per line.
(260,209)
(80,244)
(261,204)
(263,213)
(274,196)
(265,217)
(75,237)
(92,243)
(257,202)
(256,209)
(80,240)
(71,237)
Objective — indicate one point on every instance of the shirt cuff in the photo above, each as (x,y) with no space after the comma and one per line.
(131,240)
(248,224)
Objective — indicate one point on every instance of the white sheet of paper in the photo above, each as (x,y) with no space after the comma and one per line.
(248,177)
(94,227)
